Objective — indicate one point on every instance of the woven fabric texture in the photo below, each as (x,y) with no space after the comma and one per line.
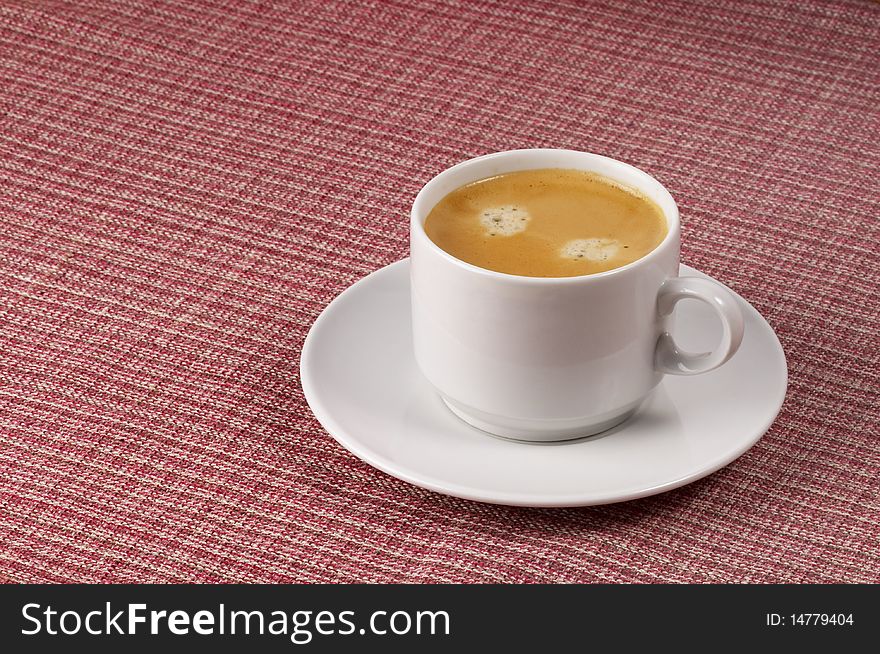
(184,186)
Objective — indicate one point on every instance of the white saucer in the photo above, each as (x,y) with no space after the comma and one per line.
(360,379)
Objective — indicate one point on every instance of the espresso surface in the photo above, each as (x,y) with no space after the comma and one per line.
(550,222)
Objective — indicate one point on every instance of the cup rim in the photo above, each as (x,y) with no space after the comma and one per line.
(673,220)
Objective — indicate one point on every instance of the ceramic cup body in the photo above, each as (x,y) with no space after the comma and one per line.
(544,359)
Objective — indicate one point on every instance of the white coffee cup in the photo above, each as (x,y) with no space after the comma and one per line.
(553,358)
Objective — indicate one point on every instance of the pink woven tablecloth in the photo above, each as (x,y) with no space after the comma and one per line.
(184,186)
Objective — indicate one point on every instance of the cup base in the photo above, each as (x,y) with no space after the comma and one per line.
(540,431)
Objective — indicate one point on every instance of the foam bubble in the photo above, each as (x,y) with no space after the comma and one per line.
(591,249)
(504,221)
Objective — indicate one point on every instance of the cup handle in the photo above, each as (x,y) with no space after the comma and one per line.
(667,357)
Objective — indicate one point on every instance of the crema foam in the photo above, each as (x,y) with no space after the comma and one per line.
(549,222)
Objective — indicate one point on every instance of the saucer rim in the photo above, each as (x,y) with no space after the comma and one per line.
(365,454)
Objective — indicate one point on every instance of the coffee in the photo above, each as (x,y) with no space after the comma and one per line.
(550,222)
